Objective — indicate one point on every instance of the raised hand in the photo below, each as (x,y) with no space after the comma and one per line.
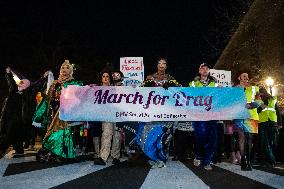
(8,70)
(46,73)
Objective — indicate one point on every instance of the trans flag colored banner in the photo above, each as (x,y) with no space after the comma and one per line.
(124,103)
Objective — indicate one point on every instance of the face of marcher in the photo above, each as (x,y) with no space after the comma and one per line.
(66,70)
(162,65)
(116,76)
(244,79)
(204,71)
(105,79)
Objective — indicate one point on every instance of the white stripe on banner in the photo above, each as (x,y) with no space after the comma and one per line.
(175,175)
(119,104)
(269,179)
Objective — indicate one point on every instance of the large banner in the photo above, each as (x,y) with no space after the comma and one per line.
(133,70)
(117,104)
(223,77)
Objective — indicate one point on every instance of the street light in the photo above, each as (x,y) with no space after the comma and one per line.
(269,82)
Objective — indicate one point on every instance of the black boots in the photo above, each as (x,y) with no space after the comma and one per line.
(245,164)
(99,161)
(249,164)
(115,161)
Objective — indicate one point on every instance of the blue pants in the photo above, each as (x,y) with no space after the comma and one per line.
(205,137)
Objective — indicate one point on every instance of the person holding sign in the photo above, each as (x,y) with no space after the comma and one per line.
(205,132)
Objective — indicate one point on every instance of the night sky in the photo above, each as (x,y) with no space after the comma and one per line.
(36,36)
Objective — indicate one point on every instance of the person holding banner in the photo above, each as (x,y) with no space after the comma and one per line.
(58,141)
(109,131)
(249,126)
(154,137)
(205,132)
(160,78)
(17,110)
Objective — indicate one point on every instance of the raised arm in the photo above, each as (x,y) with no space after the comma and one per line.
(11,82)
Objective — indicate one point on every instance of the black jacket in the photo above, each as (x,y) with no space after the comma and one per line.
(18,108)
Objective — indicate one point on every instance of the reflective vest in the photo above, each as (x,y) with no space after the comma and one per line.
(199,84)
(269,113)
(251,92)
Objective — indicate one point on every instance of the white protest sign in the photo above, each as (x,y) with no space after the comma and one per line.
(133,70)
(223,77)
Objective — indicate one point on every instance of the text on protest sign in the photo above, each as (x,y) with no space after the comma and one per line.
(133,70)
(223,77)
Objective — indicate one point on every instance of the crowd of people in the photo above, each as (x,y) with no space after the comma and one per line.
(34,106)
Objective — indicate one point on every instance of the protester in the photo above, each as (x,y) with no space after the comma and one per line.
(269,123)
(16,115)
(205,132)
(109,131)
(58,141)
(159,131)
(249,126)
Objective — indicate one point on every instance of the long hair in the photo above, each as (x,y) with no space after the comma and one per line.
(236,80)
(101,75)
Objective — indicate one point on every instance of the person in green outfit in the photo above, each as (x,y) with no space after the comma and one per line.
(58,141)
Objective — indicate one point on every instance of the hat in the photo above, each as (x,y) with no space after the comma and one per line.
(204,64)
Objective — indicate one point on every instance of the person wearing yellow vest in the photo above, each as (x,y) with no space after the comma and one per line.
(205,132)
(248,126)
(268,129)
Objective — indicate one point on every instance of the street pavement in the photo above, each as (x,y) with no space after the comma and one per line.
(26,173)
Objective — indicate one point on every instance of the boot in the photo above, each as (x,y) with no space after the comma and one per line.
(249,167)
(248,155)
(244,166)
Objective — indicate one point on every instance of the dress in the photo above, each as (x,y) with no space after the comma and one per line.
(154,137)
(58,139)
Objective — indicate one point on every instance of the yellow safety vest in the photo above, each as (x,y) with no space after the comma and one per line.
(199,84)
(251,92)
(269,113)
